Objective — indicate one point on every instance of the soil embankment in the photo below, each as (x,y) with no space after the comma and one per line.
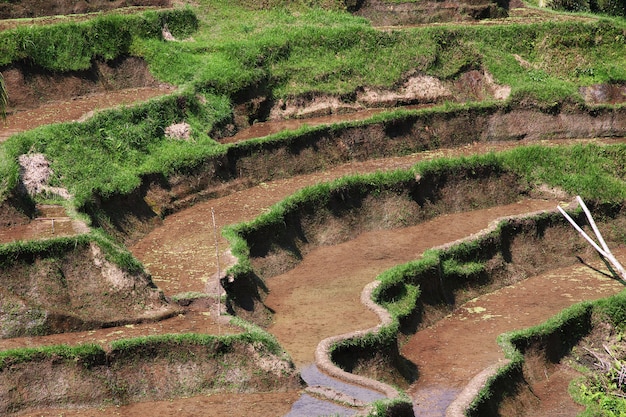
(40,8)
(68,285)
(387,13)
(39,97)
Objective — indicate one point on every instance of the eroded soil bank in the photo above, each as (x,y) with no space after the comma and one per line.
(144,371)
(245,164)
(521,272)
(38,97)
(66,286)
(39,8)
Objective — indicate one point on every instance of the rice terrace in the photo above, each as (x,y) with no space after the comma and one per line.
(312,208)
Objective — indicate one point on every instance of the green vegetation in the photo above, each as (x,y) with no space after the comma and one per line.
(73,46)
(288,49)
(4,98)
(86,354)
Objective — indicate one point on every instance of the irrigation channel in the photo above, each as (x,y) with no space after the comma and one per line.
(327,284)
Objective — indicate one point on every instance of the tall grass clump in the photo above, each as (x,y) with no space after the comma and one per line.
(72,46)
(594,172)
(107,154)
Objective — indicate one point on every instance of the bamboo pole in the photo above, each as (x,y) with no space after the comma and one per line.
(604,251)
(593,224)
(582,232)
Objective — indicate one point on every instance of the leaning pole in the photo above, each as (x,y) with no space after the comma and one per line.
(604,251)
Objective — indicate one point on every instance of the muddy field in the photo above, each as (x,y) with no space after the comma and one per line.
(446,346)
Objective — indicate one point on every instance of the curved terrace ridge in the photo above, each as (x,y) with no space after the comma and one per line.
(462,401)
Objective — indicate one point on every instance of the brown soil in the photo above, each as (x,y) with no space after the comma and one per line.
(38,8)
(269,404)
(193,320)
(40,97)
(48,222)
(449,353)
(382,12)
(327,284)
(187,232)
(190,232)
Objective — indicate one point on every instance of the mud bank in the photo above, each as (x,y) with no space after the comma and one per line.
(31,86)
(539,355)
(68,284)
(243,164)
(341,213)
(39,8)
(386,13)
(153,368)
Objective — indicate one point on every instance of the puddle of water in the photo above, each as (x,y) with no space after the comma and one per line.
(312,376)
(433,401)
(308,406)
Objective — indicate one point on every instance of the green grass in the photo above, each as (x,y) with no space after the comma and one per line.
(86,354)
(73,46)
(290,50)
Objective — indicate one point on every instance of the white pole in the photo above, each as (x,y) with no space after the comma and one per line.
(593,224)
(582,232)
(604,252)
(611,257)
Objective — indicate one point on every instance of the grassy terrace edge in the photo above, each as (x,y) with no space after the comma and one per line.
(553,339)
(119,375)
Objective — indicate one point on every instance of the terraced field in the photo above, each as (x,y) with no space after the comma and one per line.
(335,219)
